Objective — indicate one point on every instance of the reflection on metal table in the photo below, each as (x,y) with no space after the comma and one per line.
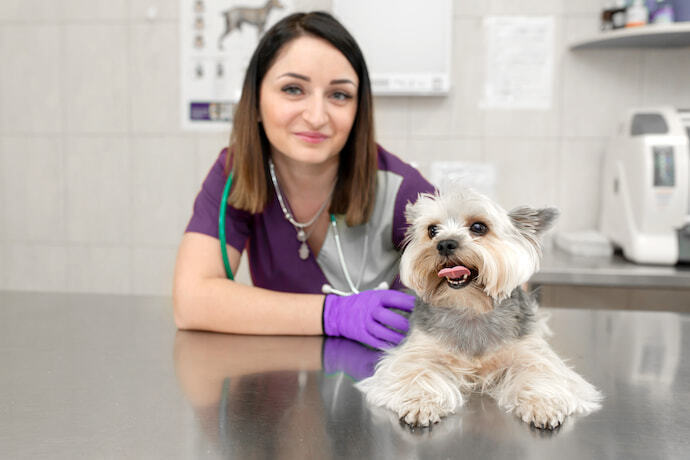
(560,267)
(87,376)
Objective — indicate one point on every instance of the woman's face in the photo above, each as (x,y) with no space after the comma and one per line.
(308,101)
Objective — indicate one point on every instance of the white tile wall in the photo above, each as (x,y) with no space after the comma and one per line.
(3,196)
(3,220)
(208,147)
(429,116)
(583,7)
(98,190)
(30,89)
(580,185)
(98,180)
(666,77)
(3,263)
(391,116)
(525,170)
(35,267)
(154,84)
(424,152)
(525,7)
(3,58)
(469,8)
(163,189)
(162,10)
(152,270)
(32,181)
(598,85)
(96,268)
(95,73)
(93,10)
(467,72)
(30,11)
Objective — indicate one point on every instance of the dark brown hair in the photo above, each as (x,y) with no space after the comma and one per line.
(355,188)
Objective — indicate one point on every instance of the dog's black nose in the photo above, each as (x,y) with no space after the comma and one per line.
(446,247)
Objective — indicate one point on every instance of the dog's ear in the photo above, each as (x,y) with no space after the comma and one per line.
(533,222)
(411,212)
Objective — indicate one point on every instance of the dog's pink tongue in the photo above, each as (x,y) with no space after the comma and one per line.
(455,272)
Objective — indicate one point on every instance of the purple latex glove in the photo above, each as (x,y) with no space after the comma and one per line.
(367,318)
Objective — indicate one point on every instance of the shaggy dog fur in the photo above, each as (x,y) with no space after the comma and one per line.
(474,328)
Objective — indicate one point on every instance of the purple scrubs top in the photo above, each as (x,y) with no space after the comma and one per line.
(271,241)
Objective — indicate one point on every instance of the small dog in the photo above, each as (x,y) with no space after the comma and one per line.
(473,327)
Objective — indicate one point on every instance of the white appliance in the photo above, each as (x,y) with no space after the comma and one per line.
(646,198)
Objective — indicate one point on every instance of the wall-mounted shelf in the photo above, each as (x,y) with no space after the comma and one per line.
(651,36)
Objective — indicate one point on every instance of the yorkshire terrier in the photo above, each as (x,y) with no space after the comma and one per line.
(473,327)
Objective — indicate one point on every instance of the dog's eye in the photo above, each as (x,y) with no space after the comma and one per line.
(432,230)
(479,228)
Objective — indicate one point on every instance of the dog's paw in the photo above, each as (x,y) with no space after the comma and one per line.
(543,413)
(421,413)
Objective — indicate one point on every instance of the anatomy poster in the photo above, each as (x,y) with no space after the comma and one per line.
(217,38)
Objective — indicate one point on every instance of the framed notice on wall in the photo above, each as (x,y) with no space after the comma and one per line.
(406,43)
(217,39)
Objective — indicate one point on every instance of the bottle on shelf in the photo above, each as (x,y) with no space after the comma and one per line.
(618,14)
(637,14)
(660,11)
(606,16)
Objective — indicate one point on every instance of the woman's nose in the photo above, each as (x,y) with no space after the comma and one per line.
(315,112)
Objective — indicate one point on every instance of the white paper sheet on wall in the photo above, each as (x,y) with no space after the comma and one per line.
(519,62)
(217,39)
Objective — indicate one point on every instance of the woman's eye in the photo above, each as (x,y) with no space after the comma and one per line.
(292,90)
(432,230)
(479,228)
(341,96)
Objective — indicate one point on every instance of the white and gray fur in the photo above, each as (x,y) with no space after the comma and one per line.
(465,332)
(485,336)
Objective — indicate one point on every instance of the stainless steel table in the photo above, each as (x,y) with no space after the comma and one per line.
(560,267)
(90,376)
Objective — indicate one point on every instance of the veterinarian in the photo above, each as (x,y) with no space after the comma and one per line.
(317,204)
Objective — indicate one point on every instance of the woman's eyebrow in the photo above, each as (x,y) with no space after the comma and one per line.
(295,75)
(343,81)
(305,78)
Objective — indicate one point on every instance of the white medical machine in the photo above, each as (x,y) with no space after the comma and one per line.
(645,193)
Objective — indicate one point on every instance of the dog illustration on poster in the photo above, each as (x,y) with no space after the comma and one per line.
(235,17)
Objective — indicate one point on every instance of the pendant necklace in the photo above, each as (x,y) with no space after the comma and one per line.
(302,236)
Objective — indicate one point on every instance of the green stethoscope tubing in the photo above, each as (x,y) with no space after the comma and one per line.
(224,249)
(221,227)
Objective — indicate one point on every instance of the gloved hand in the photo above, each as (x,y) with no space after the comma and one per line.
(367,318)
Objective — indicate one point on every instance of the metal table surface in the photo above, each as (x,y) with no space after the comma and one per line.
(560,267)
(97,376)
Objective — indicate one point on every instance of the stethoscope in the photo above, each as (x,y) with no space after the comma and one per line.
(326,288)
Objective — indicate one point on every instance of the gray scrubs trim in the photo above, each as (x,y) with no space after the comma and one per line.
(370,255)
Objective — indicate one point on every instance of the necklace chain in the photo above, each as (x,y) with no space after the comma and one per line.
(299,226)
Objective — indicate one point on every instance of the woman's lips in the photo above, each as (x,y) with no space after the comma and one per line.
(311,137)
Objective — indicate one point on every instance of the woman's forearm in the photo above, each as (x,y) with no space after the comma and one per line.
(220,305)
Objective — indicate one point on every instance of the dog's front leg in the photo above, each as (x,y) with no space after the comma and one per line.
(417,381)
(541,389)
